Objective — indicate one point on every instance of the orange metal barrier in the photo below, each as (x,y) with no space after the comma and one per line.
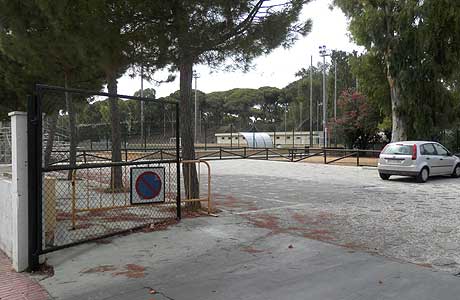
(200,199)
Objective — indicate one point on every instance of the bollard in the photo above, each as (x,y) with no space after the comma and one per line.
(49,195)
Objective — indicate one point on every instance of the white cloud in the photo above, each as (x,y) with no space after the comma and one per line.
(276,69)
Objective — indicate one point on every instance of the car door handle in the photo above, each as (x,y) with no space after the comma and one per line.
(441,159)
(427,158)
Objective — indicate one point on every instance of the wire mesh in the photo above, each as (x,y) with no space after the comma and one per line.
(5,142)
(90,143)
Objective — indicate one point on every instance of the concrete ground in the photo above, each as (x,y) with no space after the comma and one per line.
(285,231)
(348,206)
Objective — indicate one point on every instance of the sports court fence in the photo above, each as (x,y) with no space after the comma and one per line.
(78,194)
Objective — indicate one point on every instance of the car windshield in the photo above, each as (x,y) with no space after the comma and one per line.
(399,149)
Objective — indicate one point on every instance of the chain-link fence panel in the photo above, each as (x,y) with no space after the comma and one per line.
(91,144)
(5,142)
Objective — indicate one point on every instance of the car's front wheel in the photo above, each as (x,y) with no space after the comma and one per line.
(423,175)
(456,172)
(384,176)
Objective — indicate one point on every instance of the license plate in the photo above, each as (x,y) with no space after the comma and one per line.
(394,161)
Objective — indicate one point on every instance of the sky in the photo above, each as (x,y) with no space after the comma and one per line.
(276,69)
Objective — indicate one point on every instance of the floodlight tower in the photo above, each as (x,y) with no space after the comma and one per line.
(323,52)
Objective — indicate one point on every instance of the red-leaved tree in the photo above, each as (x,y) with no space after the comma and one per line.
(357,121)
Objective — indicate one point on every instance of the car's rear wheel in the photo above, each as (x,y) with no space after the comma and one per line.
(456,172)
(423,175)
(384,176)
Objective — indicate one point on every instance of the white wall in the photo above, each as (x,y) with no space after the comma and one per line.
(6,217)
(19,192)
(14,238)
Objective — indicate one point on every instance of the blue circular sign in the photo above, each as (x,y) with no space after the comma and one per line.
(148,185)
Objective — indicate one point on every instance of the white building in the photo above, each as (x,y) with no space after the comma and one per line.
(278,138)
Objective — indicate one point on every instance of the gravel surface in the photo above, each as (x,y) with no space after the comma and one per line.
(348,206)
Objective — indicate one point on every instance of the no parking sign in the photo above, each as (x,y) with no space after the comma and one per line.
(147,185)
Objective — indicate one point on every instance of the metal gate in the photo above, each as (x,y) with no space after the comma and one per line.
(99,165)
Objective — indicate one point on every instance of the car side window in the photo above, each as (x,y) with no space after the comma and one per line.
(427,149)
(441,150)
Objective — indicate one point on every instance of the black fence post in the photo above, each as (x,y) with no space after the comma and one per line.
(357,158)
(220,152)
(34,136)
(205,136)
(325,155)
(244,152)
(231,136)
(178,200)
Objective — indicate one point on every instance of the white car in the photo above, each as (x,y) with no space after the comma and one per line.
(417,158)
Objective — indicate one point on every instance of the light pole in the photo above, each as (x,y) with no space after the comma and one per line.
(335,90)
(318,118)
(335,102)
(196,76)
(285,124)
(142,105)
(323,53)
(311,101)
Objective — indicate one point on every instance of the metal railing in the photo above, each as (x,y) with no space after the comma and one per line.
(206,198)
(297,154)
(293,154)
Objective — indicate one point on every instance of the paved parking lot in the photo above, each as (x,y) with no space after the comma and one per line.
(264,244)
(348,206)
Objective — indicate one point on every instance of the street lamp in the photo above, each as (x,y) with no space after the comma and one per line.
(323,52)
(196,76)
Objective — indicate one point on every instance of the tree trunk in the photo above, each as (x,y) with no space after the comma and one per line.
(117,172)
(187,130)
(72,129)
(399,131)
(50,139)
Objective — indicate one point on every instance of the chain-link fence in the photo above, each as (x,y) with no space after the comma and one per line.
(449,138)
(5,142)
(89,146)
